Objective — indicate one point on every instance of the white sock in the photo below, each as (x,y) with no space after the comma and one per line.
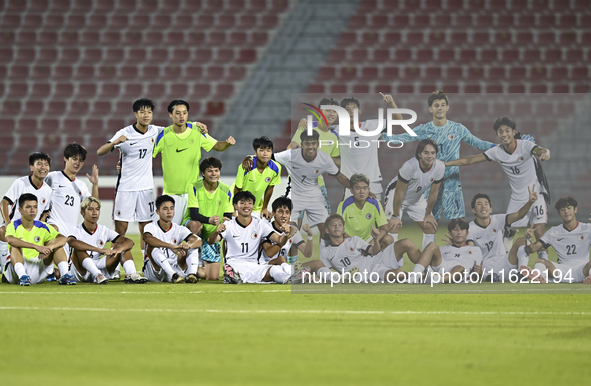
(394,236)
(129,267)
(101,264)
(162,261)
(63,267)
(542,269)
(543,255)
(20,269)
(118,268)
(427,239)
(436,268)
(278,274)
(286,268)
(193,261)
(412,279)
(90,266)
(522,257)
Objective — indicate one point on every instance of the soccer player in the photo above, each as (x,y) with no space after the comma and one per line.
(34,247)
(180,145)
(91,261)
(458,257)
(406,191)
(362,213)
(261,178)
(134,197)
(486,232)
(571,240)
(517,159)
(304,166)
(448,136)
(352,254)
(168,258)
(276,254)
(243,235)
(210,202)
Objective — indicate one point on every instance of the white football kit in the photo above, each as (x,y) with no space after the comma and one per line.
(466,256)
(99,238)
(24,185)
(134,198)
(65,199)
(418,180)
(572,248)
(305,191)
(296,240)
(520,168)
(490,241)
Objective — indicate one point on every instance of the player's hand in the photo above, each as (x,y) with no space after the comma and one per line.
(375,232)
(119,167)
(477,269)
(530,231)
(184,246)
(181,253)
(394,225)
(247,163)
(107,252)
(387,98)
(303,124)
(285,228)
(306,228)
(43,250)
(214,220)
(221,228)
(447,239)
(120,140)
(545,156)
(527,137)
(429,219)
(372,195)
(265,214)
(202,127)
(231,141)
(533,196)
(95,175)
(227,219)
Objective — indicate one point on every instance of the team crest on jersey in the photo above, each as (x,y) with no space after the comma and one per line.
(451,137)
(431,180)
(581,237)
(174,241)
(368,216)
(101,243)
(79,192)
(469,252)
(254,235)
(493,231)
(350,249)
(219,203)
(152,141)
(118,213)
(268,179)
(521,159)
(316,171)
(191,141)
(37,239)
(43,200)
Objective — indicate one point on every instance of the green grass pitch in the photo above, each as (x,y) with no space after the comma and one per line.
(210,333)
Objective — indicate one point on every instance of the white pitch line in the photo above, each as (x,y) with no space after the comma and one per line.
(132,293)
(347,312)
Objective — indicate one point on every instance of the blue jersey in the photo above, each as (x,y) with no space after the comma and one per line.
(449,138)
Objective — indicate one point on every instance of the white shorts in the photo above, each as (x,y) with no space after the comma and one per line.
(385,261)
(316,211)
(374,187)
(134,206)
(571,272)
(152,274)
(35,268)
(88,278)
(498,264)
(538,213)
(180,207)
(249,272)
(448,265)
(416,212)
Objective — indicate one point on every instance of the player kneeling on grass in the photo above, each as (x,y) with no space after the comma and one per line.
(243,235)
(353,254)
(454,263)
(34,246)
(91,261)
(167,258)
(571,240)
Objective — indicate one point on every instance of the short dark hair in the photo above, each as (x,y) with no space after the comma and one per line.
(243,195)
(309,137)
(175,103)
(463,224)
(263,141)
(348,100)
(26,197)
(162,199)
(328,101)
(142,102)
(422,144)
(437,95)
(38,155)
(74,149)
(328,220)
(209,162)
(282,202)
(504,121)
(563,202)
(480,195)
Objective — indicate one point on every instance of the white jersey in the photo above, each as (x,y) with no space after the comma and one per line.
(99,238)
(66,197)
(490,238)
(572,247)
(466,256)
(25,185)
(176,234)
(135,156)
(418,180)
(359,154)
(296,240)
(304,175)
(519,167)
(352,252)
(243,241)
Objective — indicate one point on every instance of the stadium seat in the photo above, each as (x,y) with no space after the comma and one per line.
(113,56)
(100,22)
(25,55)
(193,72)
(40,90)
(224,90)
(47,56)
(18,90)
(63,91)
(201,90)
(32,22)
(224,56)
(236,73)
(19,72)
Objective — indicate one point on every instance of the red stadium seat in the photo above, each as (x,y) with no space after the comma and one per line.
(214,73)
(326,73)
(402,56)
(93,126)
(113,56)
(18,90)
(92,56)
(553,56)
(128,72)
(203,56)
(580,73)
(454,73)
(40,90)
(247,56)
(538,89)
(150,72)
(47,56)
(575,55)
(195,38)
(112,38)
(236,73)
(259,38)
(390,73)
(19,72)
(237,38)
(380,56)
(224,90)
(247,21)
(69,55)
(446,56)
(433,73)
(193,72)
(32,22)
(63,91)
(100,109)
(71,126)
(63,72)
(476,73)
(269,21)
(225,21)
(224,56)
(201,90)
(56,109)
(531,56)
(161,21)
(7,38)
(171,72)
(106,72)
(204,22)
(99,22)
(75,21)
(25,55)
(538,73)
(11,108)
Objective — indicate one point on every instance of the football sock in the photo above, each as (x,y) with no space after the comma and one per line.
(542,269)
(63,267)
(278,274)
(20,269)
(427,239)
(90,266)
(394,236)
(162,261)
(436,268)
(129,267)
(193,261)
(286,268)
(543,255)
(412,279)
(522,257)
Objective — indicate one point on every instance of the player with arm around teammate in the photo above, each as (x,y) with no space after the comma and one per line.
(91,261)
(171,252)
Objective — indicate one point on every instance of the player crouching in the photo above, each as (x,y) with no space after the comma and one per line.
(91,262)
(167,258)
(34,246)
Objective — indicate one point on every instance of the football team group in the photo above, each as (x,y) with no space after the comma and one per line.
(199,220)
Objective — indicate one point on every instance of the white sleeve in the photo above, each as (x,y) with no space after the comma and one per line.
(112,235)
(265,229)
(184,232)
(325,258)
(297,239)
(149,229)
(331,168)
(283,157)
(405,172)
(491,154)
(228,224)
(359,243)
(440,171)
(116,136)
(49,179)
(477,256)
(85,191)
(13,192)
(528,147)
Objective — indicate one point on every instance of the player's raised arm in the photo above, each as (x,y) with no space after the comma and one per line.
(429,219)
(308,248)
(469,160)
(395,222)
(542,152)
(94,179)
(217,235)
(5,211)
(476,142)
(524,210)
(223,146)
(109,146)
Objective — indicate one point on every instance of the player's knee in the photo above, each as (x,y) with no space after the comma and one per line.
(195,226)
